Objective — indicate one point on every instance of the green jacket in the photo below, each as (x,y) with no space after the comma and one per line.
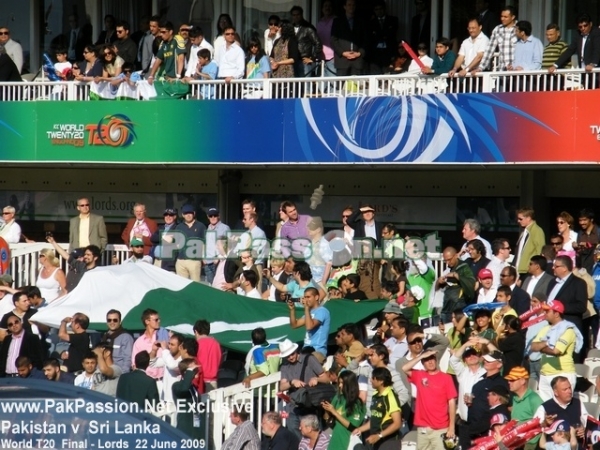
(534,242)
(461,293)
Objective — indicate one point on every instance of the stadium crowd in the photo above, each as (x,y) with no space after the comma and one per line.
(516,322)
(343,45)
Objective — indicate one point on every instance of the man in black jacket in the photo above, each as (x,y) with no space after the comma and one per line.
(586,46)
(309,44)
(381,39)
(363,222)
(25,344)
(158,241)
(275,436)
(348,41)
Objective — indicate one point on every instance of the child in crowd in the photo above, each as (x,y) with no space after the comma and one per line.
(563,437)
(63,67)
(503,296)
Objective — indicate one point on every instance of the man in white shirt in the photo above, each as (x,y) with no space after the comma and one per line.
(198,43)
(13,48)
(397,345)
(272,33)
(466,363)
(500,254)
(169,360)
(137,253)
(470,231)
(231,59)
(9,229)
(538,279)
(471,50)
(248,280)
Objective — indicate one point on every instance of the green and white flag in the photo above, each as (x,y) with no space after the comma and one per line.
(132,288)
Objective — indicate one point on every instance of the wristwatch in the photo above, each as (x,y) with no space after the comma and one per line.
(380,436)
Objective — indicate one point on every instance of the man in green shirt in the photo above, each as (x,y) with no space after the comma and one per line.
(170,56)
(525,401)
(555,46)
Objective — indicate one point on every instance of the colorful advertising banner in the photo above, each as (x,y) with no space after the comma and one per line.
(538,127)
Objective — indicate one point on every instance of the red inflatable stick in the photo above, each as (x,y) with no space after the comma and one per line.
(532,312)
(413,55)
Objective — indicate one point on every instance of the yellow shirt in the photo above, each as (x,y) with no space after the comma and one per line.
(84,231)
(555,365)
(497,317)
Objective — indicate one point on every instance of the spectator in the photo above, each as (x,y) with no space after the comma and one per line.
(385,420)
(525,402)
(486,291)
(396,344)
(152,337)
(146,48)
(189,266)
(487,18)
(563,436)
(319,254)
(10,230)
(443,61)
(477,260)
(420,30)
(297,224)
(209,353)
(18,343)
(538,280)
(459,284)
(263,359)
(519,299)
(400,62)
(557,342)
(309,45)
(160,238)
(301,280)
(140,227)
(136,247)
(248,280)
(51,280)
(81,260)
(435,411)
(8,70)
(53,373)
(223,23)
(62,67)
(423,57)
(316,319)
(276,436)
(555,47)
(472,231)
(79,341)
(381,38)
(502,296)
(500,255)
(108,372)
(324,26)
(511,343)
(312,437)
(126,47)
(119,339)
(531,240)
(466,364)
(169,359)
(565,224)
(26,369)
(363,222)
(587,239)
(529,50)
(13,48)
(137,386)
(589,40)
(349,336)
(498,397)
(216,232)
(504,38)
(537,322)
(169,60)
(285,55)
(471,51)
(91,70)
(87,228)
(230,58)
(22,309)
(108,35)
(348,42)
(184,389)
(244,435)
(272,33)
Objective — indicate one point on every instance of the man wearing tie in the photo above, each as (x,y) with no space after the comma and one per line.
(348,42)
(530,242)
(77,39)
(488,19)
(381,39)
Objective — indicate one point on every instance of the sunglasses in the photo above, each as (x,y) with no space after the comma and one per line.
(229,34)
(12,324)
(127,71)
(5,213)
(345,216)
(137,246)
(84,205)
(112,320)
(213,215)
(120,31)
(4,33)
(108,54)
(273,24)
(416,341)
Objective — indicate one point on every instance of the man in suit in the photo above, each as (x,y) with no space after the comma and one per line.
(381,39)
(420,31)
(519,299)
(140,227)
(572,292)
(363,222)
(136,386)
(531,240)
(488,19)
(586,46)
(348,42)
(19,343)
(77,38)
(538,279)
(87,228)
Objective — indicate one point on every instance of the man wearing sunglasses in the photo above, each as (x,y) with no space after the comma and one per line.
(13,48)
(87,228)
(160,238)
(120,339)
(18,343)
(586,46)
(126,48)
(136,247)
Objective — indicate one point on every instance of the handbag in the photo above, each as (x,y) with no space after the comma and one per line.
(310,397)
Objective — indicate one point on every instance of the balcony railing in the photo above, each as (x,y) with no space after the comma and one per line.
(362,86)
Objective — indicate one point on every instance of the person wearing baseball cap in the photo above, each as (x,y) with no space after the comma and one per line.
(563,436)
(487,291)
(159,238)
(136,247)
(557,342)
(466,363)
(498,397)
(188,265)
(525,401)
(216,231)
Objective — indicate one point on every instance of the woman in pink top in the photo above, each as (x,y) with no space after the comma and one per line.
(324,33)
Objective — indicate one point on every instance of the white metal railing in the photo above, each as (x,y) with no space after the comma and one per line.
(359,86)
(260,396)
(24,264)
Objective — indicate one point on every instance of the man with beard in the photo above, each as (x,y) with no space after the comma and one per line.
(120,339)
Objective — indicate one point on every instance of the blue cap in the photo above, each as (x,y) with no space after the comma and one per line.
(188,209)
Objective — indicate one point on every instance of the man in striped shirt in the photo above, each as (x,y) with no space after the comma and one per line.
(555,47)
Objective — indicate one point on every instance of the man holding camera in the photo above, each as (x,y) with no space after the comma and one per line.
(458,284)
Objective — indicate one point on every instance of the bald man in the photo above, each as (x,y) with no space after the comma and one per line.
(459,283)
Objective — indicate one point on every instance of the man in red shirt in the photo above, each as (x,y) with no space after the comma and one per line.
(209,354)
(435,411)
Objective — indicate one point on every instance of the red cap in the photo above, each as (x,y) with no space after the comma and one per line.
(554,305)
(485,274)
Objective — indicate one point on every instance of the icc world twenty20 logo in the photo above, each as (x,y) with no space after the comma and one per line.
(113,130)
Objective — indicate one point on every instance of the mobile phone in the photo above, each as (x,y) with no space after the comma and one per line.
(48,234)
